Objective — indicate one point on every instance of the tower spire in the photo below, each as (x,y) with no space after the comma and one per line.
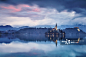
(56,26)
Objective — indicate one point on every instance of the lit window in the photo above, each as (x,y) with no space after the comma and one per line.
(78,29)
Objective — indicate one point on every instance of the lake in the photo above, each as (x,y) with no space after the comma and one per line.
(41,46)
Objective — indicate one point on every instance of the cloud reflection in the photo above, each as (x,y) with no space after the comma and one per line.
(43,48)
(14,47)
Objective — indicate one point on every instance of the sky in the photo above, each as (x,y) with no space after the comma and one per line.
(42,12)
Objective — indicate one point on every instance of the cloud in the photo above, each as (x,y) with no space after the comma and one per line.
(32,15)
(24,21)
(12,8)
(70,5)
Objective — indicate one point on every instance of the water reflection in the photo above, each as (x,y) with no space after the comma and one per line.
(41,46)
(73,39)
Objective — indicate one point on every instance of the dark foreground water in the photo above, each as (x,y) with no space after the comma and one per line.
(41,46)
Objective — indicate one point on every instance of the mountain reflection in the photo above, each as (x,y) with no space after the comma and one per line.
(68,40)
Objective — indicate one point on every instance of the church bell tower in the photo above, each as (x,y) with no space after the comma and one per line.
(56,26)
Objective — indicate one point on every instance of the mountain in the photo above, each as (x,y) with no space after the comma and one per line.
(74,33)
(43,26)
(4,28)
(33,30)
(7,26)
(23,27)
(82,27)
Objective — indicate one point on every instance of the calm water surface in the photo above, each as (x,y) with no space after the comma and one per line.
(40,46)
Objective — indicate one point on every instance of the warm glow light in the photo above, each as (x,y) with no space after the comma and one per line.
(78,29)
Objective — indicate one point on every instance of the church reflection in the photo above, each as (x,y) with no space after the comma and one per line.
(43,38)
(68,41)
(54,38)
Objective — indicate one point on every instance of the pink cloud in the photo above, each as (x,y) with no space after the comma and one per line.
(20,7)
(36,10)
(14,8)
(24,5)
